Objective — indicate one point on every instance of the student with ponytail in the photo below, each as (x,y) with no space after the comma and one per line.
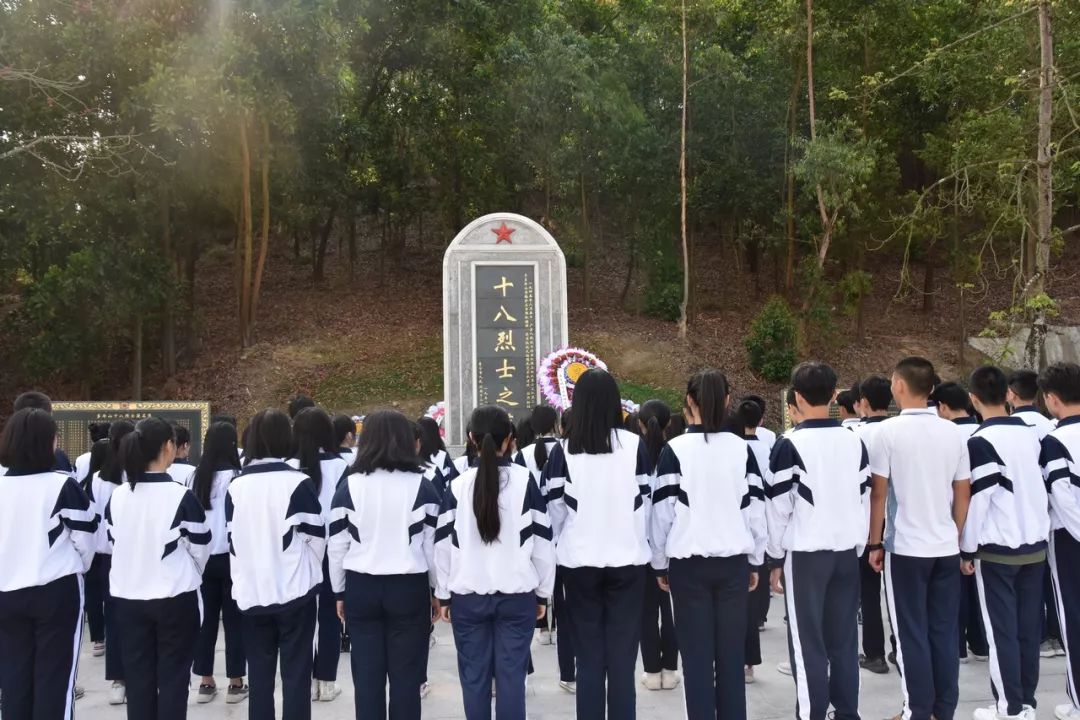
(382,566)
(102,483)
(277,539)
(659,646)
(317,457)
(495,568)
(598,487)
(46,544)
(219,464)
(161,543)
(95,598)
(708,529)
(543,422)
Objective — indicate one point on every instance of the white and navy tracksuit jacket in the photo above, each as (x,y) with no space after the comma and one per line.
(818,512)
(182,472)
(521,560)
(440,470)
(383,524)
(967,424)
(1007,528)
(101,491)
(1032,417)
(528,456)
(600,504)
(334,470)
(922,455)
(277,536)
(48,526)
(708,500)
(160,539)
(1060,451)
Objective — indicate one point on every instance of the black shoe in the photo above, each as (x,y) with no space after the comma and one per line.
(877,665)
(346,644)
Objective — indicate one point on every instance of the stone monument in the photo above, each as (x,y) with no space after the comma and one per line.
(504,309)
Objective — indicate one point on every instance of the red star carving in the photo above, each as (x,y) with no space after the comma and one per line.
(502,234)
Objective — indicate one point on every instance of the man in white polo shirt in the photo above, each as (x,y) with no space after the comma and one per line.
(921,490)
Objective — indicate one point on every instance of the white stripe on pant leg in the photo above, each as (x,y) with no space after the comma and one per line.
(69,706)
(995,667)
(1070,681)
(894,620)
(802,689)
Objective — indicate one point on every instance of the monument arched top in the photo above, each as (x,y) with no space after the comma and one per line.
(504,232)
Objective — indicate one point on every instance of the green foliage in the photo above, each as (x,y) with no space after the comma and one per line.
(640,392)
(771,343)
(853,287)
(664,291)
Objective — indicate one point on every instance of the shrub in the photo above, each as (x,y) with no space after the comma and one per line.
(664,290)
(772,341)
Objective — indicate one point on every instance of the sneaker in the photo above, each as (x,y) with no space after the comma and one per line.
(669,679)
(99,649)
(980,658)
(748,674)
(545,638)
(236,693)
(878,666)
(569,686)
(431,640)
(328,691)
(1059,650)
(206,693)
(425,690)
(314,691)
(991,713)
(964,660)
(1066,712)
(784,668)
(652,681)
(79,691)
(1028,713)
(1047,650)
(117,693)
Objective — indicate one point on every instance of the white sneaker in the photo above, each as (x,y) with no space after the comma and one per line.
(425,690)
(1028,713)
(1066,712)
(117,693)
(328,691)
(991,713)
(652,681)
(545,638)
(568,686)
(748,675)
(1059,649)
(1047,649)
(783,668)
(669,679)
(980,658)
(314,691)
(99,649)
(965,660)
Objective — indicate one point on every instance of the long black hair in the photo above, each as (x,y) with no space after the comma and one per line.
(112,470)
(99,455)
(387,443)
(597,411)
(749,412)
(98,431)
(543,419)
(655,415)
(219,452)
(141,447)
(431,441)
(343,428)
(28,441)
(524,435)
(268,435)
(709,391)
(490,427)
(313,433)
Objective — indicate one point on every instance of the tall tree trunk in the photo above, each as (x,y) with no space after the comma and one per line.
(264,236)
(245,199)
(352,241)
(586,242)
(137,359)
(827,222)
(1035,351)
(789,170)
(683,320)
(320,250)
(168,320)
(928,284)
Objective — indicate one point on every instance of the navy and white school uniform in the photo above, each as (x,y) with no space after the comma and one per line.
(1033,418)
(922,455)
(599,507)
(82,469)
(761,443)
(494,588)
(48,542)
(100,491)
(1060,450)
(708,528)
(278,541)
(216,590)
(348,454)
(851,423)
(382,564)
(181,472)
(160,546)
(971,630)
(873,627)
(440,470)
(328,626)
(93,598)
(818,512)
(528,456)
(461,464)
(1006,534)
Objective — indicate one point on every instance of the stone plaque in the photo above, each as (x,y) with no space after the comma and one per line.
(504,309)
(72,419)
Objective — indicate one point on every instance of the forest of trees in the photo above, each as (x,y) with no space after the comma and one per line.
(138,137)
